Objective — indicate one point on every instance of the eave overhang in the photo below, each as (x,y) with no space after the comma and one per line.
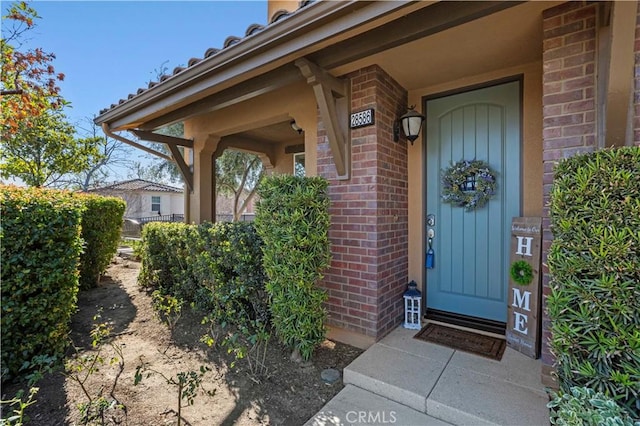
(304,32)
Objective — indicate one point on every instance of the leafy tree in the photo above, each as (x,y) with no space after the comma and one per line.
(28,80)
(238,175)
(109,155)
(43,149)
(38,142)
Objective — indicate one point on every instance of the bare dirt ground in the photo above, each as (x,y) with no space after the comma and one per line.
(288,395)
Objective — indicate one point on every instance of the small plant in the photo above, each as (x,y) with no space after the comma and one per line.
(168,309)
(187,383)
(18,418)
(79,368)
(249,340)
(584,406)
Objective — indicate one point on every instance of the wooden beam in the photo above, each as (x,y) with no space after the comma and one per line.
(266,83)
(294,149)
(171,142)
(157,137)
(108,132)
(187,174)
(326,89)
(618,122)
(316,75)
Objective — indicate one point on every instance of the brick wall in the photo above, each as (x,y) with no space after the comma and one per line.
(569,108)
(369,213)
(636,98)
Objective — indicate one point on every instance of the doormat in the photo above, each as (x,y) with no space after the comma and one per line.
(467,341)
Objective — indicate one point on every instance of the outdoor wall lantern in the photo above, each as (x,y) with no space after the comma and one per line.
(411,124)
(412,307)
(295,127)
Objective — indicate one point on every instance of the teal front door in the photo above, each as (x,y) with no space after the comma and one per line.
(469,277)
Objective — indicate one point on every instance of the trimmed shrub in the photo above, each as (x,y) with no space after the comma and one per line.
(293,220)
(229,266)
(594,260)
(40,250)
(166,258)
(218,267)
(584,406)
(101,225)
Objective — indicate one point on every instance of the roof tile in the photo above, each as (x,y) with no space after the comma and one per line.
(229,42)
(138,185)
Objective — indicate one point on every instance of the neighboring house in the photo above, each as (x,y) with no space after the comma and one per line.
(147,200)
(519,85)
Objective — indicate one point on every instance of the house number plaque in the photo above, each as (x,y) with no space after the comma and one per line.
(362,118)
(524,296)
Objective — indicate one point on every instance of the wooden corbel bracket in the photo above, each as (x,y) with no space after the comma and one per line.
(332,96)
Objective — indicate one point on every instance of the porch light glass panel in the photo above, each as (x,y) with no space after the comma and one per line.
(411,124)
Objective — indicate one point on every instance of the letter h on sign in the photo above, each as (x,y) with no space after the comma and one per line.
(524,243)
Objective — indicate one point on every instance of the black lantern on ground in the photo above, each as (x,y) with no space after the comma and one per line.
(411,123)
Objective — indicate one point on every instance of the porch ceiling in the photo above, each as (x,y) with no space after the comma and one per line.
(507,38)
(275,133)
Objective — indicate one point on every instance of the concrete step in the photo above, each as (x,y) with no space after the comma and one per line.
(357,406)
(450,385)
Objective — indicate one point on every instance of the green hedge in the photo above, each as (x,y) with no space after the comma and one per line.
(292,217)
(594,260)
(101,226)
(584,406)
(40,247)
(166,262)
(216,266)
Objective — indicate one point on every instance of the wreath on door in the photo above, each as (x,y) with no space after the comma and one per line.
(468,184)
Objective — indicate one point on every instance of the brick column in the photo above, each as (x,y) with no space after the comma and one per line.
(636,97)
(369,213)
(569,111)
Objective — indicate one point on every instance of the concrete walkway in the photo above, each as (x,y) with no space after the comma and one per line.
(404,381)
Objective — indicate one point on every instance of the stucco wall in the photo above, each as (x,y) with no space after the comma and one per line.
(293,102)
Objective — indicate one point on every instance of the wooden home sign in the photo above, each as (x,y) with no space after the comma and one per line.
(524,296)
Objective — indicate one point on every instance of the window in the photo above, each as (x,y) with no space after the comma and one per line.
(155,203)
(298,164)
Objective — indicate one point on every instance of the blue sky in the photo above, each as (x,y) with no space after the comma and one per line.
(108,49)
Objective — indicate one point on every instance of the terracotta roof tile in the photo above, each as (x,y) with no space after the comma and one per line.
(278,15)
(228,43)
(138,185)
(253,29)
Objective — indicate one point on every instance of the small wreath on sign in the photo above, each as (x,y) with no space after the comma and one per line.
(468,184)
(521,272)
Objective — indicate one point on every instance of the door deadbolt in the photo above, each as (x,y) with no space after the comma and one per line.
(431,220)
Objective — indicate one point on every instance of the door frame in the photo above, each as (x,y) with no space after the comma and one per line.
(448,317)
